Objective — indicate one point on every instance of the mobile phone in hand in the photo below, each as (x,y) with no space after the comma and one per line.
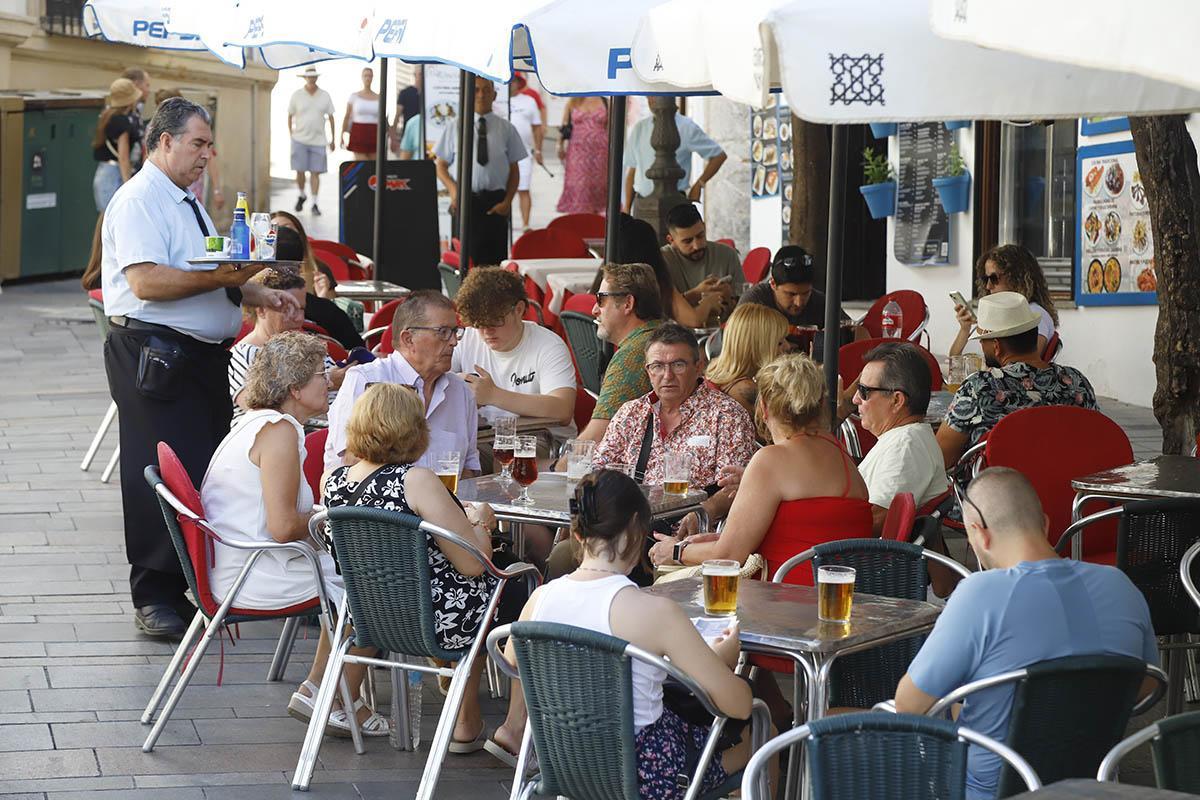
(958,299)
(725,279)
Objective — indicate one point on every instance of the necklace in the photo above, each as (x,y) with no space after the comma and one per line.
(600,569)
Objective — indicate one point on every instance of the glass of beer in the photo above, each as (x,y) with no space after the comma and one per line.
(625,469)
(579,458)
(835,593)
(524,467)
(677,471)
(504,443)
(447,469)
(720,578)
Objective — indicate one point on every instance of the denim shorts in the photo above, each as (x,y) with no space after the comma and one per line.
(309,157)
(105,184)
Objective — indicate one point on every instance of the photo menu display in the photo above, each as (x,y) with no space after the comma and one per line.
(771,156)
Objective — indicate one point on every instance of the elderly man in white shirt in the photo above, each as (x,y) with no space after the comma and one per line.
(892,397)
(166,358)
(425,332)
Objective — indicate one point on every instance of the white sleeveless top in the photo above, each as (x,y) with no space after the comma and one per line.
(586,604)
(232,495)
(364,109)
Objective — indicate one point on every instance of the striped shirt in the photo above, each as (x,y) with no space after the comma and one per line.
(241,356)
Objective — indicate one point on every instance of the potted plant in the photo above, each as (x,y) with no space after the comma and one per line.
(955,124)
(882,130)
(954,188)
(880,188)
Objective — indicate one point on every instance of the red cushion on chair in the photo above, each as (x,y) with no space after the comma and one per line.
(96,294)
(757,264)
(199,546)
(902,513)
(912,306)
(580,303)
(850,361)
(314,458)
(585,404)
(546,243)
(585,226)
(385,314)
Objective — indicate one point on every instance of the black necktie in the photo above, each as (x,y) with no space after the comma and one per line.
(481,153)
(191,201)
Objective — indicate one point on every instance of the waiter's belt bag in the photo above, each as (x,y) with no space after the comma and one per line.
(160,368)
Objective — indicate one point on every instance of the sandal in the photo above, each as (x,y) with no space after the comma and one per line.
(506,756)
(301,706)
(374,725)
(442,681)
(474,746)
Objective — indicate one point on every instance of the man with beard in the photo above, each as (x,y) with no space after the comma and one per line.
(628,309)
(1016,377)
(696,265)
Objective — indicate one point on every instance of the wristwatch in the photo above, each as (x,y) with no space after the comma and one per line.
(677,551)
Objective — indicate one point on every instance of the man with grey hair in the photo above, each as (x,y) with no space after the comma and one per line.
(425,332)
(1028,606)
(892,398)
(166,354)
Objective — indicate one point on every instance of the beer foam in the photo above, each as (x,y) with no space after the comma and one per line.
(720,569)
(825,576)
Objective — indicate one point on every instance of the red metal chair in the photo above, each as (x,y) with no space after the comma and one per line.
(96,304)
(343,251)
(195,541)
(546,243)
(533,312)
(757,264)
(380,325)
(339,266)
(585,404)
(850,361)
(728,242)
(857,440)
(385,342)
(902,513)
(912,305)
(314,458)
(334,349)
(580,303)
(1053,348)
(585,226)
(1050,445)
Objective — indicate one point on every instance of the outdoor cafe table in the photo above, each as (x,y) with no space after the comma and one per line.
(370,290)
(1085,789)
(1165,476)
(561,285)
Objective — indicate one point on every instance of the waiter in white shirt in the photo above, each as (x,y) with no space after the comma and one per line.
(494,179)
(166,356)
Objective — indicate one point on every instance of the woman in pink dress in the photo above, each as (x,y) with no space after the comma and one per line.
(585,156)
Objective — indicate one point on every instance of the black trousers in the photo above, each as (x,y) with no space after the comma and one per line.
(193,422)
(489,232)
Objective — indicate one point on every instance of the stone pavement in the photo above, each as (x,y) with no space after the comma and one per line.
(75,675)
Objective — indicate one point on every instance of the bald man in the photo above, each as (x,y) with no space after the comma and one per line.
(1028,605)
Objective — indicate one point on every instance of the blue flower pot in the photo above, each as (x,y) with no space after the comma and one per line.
(955,124)
(954,192)
(881,198)
(882,130)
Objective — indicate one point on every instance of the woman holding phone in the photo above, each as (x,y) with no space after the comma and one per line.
(1009,268)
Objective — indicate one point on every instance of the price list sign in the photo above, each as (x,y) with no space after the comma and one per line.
(922,229)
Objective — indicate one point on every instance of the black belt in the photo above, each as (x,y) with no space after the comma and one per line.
(129,323)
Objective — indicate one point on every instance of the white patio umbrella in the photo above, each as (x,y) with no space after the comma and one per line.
(1155,39)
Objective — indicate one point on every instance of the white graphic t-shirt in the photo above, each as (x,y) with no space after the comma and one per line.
(538,365)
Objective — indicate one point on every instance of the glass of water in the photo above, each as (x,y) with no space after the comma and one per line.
(579,458)
(260,226)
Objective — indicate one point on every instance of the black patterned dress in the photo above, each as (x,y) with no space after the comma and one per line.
(458,600)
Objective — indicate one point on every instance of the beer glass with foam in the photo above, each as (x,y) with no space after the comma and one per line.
(525,470)
(447,469)
(504,444)
(677,471)
(835,593)
(720,578)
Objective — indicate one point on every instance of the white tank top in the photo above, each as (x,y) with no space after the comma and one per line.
(364,109)
(586,604)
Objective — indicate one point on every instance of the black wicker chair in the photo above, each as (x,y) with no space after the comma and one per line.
(1174,743)
(581,336)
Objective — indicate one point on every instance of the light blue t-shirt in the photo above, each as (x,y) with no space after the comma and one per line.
(410,140)
(1006,619)
(639,155)
(504,148)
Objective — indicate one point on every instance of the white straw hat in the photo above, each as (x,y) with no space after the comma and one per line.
(309,72)
(1004,314)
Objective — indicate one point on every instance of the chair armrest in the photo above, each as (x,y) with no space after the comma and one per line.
(1077,527)
(970,688)
(495,637)
(969,458)
(885,705)
(791,563)
(1160,689)
(1185,573)
(515,571)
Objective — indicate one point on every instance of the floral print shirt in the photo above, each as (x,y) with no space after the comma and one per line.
(625,378)
(713,425)
(986,396)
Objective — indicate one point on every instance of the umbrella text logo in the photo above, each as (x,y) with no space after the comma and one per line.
(618,58)
(255,29)
(392,30)
(156,29)
(856,79)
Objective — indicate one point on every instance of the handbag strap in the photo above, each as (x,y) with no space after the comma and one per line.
(639,471)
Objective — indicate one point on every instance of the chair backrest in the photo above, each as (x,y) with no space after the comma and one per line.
(386,345)
(728,243)
(339,249)
(585,226)
(451,279)
(1067,713)
(912,306)
(1153,536)
(533,312)
(1051,445)
(902,513)
(581,336)
(195,550)
(578,685)
(383,316)
(585,404)
(384,560)
(314,458)
(580,303)
(1176,767)
(1053,347)
(851,360)
(335,263)
(96,304)
(546,243)
(757,264)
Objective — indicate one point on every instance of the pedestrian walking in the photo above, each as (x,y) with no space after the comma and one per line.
(522,111)
(308,111)
(583,149)
(360,125)
(116,142)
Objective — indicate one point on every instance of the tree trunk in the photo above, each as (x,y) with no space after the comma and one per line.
(810,188)
(1166,158)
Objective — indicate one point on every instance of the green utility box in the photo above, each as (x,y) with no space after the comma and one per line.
(47,209)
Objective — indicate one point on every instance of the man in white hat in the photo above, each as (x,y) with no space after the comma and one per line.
(308,111)
(1016,377)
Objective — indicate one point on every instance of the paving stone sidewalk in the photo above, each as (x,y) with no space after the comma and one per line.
(74,674)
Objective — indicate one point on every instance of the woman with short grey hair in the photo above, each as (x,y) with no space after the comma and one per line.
(255,491)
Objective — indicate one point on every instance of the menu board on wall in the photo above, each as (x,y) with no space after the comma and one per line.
(765,149)
(1114,258)
(786,176)
(922,230)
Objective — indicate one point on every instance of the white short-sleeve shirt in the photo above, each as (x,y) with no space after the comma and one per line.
(639,155)
(1045,322)
(504,148)
(308,113)
(524,116)
(905,459)
(539,364)
(149,221)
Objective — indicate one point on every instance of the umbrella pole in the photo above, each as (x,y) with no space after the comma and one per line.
(465,160)
(380,170)
(833,268)
(616,157)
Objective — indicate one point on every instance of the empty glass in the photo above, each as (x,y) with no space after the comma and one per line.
(579,458)
(504,445)
(260,225)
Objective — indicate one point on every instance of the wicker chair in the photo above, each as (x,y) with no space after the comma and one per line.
(1067,713)
(1174,742)
(872,756)
(578,687)
(1152,539)
(451,279)
(883,567)
(96,304)
(581,336)
(385,565)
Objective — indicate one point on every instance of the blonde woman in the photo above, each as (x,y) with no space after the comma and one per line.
(752,338)
(115,141)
